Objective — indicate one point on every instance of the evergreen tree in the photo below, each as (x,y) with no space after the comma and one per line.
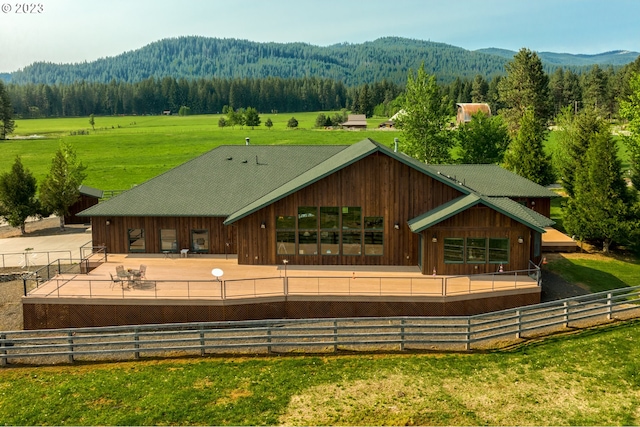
(292,123)
(482,140)
(18,196)
(575,134)
(222,122)
(321,120)
(7,124)
(524,89)
(479,89)
(61,188)
(525,155)
(601,208)
(251,117)
(425,119)
(630,110)
(268,123)
(92,121)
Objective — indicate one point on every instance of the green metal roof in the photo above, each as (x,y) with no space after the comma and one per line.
(442,212)
(217,183)
(235,181)
(493,181)
(503,205)
(90,191)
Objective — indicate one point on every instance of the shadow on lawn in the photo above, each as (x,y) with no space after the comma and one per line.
(588,278)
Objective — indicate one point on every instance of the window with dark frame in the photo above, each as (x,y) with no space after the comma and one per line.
(169,240)
(307,230)
(498,251)
(476,250)
(286,235)
(331,230)
(200,241)
(136,240)
(453,250)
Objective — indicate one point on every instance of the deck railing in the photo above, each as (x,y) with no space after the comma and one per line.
(461,333)
(84,287)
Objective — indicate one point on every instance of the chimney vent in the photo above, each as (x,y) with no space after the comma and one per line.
(395,145)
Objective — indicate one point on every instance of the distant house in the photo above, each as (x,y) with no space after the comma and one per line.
(88,197)
(388,124)
(166,112)
(466,110)
(355,122)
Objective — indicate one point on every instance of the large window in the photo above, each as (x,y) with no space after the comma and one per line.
(307,230)
(330,231)
(136,239)
(286,235)
(476,250)
(498,251)
(373,235)
(200,241)
(168,240)
(453,251)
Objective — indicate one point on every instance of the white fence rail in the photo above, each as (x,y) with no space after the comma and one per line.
(317,335)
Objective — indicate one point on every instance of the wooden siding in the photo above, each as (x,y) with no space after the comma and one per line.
(478,221)
(85,202)
(380,185)
(114,236)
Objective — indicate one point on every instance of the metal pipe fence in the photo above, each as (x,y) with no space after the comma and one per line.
(462,333)
(28,258)
(272,286)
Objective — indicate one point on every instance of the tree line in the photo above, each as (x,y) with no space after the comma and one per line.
(601,208)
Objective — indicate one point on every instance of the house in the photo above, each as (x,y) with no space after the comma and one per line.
(467,110)
(166,112)
(387,124)
(88,197)
(363,204)
(355,122)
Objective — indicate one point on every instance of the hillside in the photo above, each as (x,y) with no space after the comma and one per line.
(615,57)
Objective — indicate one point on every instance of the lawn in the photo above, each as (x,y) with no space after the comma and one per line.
(125,151)
(586,378)
(596,272)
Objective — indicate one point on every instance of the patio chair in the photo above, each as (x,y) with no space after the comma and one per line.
(143,271)
(115,280)
(122,274)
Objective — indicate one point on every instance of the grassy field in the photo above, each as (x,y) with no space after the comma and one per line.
(597,272)
(586,378)
(124,151)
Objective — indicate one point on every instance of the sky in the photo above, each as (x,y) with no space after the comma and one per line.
(69,31)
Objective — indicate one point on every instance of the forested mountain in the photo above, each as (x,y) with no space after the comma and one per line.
(615,57)
(387,58)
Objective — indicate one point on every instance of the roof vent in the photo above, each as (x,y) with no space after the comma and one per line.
(244,161)
(395,145)
(246,141)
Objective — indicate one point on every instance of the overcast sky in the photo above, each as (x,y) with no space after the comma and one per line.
(85,30)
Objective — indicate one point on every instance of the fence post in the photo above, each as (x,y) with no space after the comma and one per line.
(136,344)
(269,339)
(468,343)
(519,322)
(610,306)
(3,351)
(565,311)
(202,350)
(402,335)
(70,341)
(335,336)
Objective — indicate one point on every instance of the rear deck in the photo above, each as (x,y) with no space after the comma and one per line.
(183,289)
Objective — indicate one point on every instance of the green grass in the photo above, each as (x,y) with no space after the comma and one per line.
(589,378)
(125,151)
(596,272)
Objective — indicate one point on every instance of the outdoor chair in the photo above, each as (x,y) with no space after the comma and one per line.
(122,273)
(143,271)
(115,280)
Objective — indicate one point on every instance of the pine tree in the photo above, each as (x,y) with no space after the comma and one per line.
(525,155)
(7,125)
(525,88)
(630,109)
(18,196)
(601,209)
(61,188)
